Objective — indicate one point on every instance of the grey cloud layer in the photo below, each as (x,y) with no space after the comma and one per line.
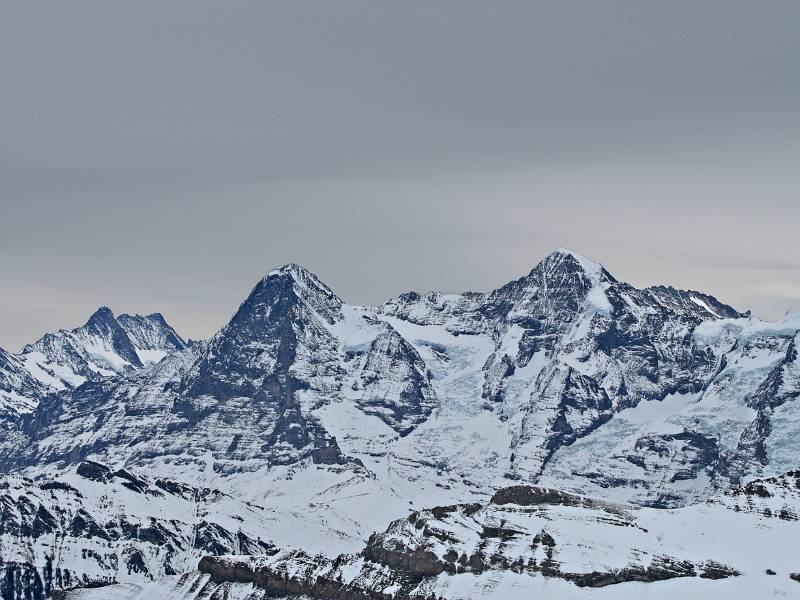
(163,155)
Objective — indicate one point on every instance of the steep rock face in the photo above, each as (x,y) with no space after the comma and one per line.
(235,395)
(19,391)
(572,305)
(566,378)
(496,369)
(284,321)
(103,347)
(547,302)
(277,344)
(634,343)
(773,497)
(395,382)
(249,396)
(570,328)
(569,406)
(151,336)
(98,416)
(96,526)
(455,313)
(781,386)
(696,442)
(532,532)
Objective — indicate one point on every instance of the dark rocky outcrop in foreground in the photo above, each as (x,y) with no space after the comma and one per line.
(513,536)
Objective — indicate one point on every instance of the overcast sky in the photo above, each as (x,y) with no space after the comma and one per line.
(162,156)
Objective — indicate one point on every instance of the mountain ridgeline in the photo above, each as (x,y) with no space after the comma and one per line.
(330,422)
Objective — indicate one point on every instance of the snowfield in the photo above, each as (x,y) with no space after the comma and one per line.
(341,451)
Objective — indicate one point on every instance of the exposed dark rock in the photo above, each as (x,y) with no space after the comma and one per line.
(94,471)
(395,382)
(528,495)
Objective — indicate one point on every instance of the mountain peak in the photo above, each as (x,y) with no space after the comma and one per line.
(304,284)
(281,289)
(563,265)
(293,269)
(101,315)
(589,266)
(151,333)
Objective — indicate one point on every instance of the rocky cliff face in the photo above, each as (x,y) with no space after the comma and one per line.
(394,382)
(95,526)
(774,497)
(342,418)
(577,346)
(104,346)
(531,532)
(249,395)
(545,368)
(19,390)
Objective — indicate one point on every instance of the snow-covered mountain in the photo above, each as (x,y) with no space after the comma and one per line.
(20,392)
(342,419)
(527,541)
(105,346)
(91,526)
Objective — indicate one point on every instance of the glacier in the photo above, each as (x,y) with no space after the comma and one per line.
(635,418)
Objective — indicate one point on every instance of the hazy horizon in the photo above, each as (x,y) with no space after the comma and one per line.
(202,333)
(155,158)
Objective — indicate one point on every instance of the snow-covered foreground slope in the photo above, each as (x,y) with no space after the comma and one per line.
(94,526)
(509,586)
(533,542)
(341,419)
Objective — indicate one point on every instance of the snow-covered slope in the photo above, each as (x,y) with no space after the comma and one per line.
(104,346)
(343,419)
(19,390)
(741,423)
(151,336)
(92,526)
(528,542)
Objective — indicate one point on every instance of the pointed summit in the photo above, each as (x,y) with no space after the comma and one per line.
(101,316)
(563,258)
(292,269)
(305,279)
(104,346)
(288,312)
(104,331)
(551,297)
(282,290)
(290,282)
(562,275)
(278,342)
(589,265)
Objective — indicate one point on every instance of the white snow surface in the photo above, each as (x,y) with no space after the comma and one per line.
(468,446)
